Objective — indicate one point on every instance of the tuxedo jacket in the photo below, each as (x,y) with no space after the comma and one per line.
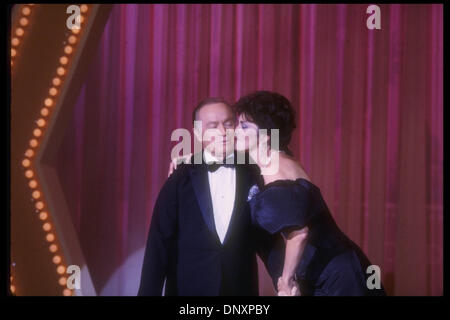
(184,250)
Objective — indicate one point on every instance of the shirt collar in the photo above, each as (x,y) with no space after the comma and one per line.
(208,157)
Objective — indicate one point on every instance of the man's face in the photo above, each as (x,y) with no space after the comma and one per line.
(246,128)
(218,118)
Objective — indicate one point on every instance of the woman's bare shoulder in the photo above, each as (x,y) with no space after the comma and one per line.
(293,169)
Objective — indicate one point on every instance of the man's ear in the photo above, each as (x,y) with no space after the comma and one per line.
(198,132)
(197,135)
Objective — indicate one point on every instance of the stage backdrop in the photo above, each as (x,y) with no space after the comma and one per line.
(369,119)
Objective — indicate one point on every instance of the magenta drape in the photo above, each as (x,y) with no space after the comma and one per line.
(369,102)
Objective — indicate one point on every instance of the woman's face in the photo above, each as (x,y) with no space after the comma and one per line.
(246,134)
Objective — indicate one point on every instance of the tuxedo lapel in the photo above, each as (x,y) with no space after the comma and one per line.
(200,183)
(242,184)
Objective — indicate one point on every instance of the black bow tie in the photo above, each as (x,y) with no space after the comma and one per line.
(213,166)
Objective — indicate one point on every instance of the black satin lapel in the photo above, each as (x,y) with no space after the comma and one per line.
(199,178)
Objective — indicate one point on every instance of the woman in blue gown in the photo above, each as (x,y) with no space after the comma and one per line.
(319,259)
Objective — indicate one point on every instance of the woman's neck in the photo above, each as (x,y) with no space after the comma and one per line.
(269,163)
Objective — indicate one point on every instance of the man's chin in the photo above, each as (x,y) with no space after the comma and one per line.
(240,149)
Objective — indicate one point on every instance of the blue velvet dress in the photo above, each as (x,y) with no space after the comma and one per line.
(331,264)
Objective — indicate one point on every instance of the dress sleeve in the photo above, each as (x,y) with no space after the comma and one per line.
(283,207)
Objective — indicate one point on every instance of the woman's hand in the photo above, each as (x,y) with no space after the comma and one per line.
(295,244)
(288,287)
(176,161)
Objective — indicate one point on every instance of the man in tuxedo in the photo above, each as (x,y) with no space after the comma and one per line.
(201,241)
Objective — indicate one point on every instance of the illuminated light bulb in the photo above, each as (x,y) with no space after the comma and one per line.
(61,269)
(50,237)
(53,91)
(26,163)
(13,52)
(39,205)
(12,63)
(44,112)
(37,132)
(81,18)
(67,292)
(56,259)
(41,122)
(43,215)
(33,143)
(19,32)
(29,153)
(29,173)
(36,194)
(32,184)
(72,39)
(15,41)
(84,8)
(62,281)
(23,22)
(60,71)
(63,60)
(56,81)
(46,226)
(26,11)
(48,102)
(75,31)
(12,288)
(53,248)
(68,49)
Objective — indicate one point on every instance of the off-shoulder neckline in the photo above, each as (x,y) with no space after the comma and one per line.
(257,190)
(287,182)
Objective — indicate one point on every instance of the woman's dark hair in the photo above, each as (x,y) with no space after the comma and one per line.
(269,110)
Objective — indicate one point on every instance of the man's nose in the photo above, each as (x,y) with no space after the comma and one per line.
(222,129)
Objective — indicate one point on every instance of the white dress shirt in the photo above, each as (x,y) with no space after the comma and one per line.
(222,185)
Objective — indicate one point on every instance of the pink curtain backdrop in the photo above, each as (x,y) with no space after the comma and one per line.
(370,119)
